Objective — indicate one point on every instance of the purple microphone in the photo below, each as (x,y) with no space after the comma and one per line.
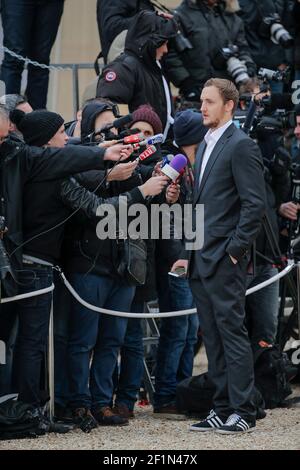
(174,168)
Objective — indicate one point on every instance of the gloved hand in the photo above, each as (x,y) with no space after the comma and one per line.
(189,90)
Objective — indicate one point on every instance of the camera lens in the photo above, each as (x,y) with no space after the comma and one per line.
(281,36)
(237,70)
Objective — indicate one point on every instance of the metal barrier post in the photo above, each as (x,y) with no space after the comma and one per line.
(75,89)
(51,363)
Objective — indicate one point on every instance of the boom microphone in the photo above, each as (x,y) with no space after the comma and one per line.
(173,169)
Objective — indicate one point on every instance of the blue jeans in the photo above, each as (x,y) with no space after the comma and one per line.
(262,307)
(30,29)
(178,336)
(98,336)
(31,343)
(132,361)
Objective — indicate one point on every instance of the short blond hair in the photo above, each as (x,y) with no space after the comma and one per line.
(227,90)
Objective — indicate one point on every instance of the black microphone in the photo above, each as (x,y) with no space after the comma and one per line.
(117,123)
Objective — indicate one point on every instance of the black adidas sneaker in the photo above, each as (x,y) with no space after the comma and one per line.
(210,423)
(235,424)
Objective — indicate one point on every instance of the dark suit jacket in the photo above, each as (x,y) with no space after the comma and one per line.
(233,193)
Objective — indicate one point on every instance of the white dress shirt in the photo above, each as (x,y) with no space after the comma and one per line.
(211,138)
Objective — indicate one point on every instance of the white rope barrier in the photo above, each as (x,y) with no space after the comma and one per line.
(27,295)
(178,313)
(273,279)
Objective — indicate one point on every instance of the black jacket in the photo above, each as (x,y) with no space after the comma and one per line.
(134,78)
(89,254)
(116,16)
(264,52)
(208,30)
(21,164)
(47,205)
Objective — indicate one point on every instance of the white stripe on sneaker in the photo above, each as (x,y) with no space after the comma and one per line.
(241,426)
(213,423)
(219,421)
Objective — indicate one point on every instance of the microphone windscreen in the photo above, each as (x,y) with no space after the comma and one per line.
(179,162)
(122,121)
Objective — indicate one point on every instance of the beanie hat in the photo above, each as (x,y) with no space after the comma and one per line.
(37,127)
(188,128)
(147,114)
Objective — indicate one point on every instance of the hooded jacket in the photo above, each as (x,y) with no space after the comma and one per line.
(115,17)
(134,78)
(208,30)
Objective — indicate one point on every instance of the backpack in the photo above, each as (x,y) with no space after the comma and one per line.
(194,396)
(19,420)
(273,371)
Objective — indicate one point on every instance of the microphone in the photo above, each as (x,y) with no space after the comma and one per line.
(155,139)
(146,153)
(140,140)
(117,123)
(167,159)
(173,169)
(132,139)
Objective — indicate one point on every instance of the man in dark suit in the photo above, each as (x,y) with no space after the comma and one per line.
(230,184)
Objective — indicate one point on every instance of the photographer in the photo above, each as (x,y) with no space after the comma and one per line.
(262,306)
(136,78)
(267,25)
(218,47)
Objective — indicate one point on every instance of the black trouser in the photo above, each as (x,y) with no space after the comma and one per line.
(30,28)
(31,344)
(220,302)
(8,330)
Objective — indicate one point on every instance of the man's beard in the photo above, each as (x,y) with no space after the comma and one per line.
(213,124)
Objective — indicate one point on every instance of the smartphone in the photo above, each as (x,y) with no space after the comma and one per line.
(178,272)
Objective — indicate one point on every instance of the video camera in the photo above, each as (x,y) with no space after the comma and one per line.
(274,75)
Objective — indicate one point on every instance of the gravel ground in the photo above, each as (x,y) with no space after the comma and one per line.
(279,430)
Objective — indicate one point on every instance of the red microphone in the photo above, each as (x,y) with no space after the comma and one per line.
(133,139)
(147,153)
